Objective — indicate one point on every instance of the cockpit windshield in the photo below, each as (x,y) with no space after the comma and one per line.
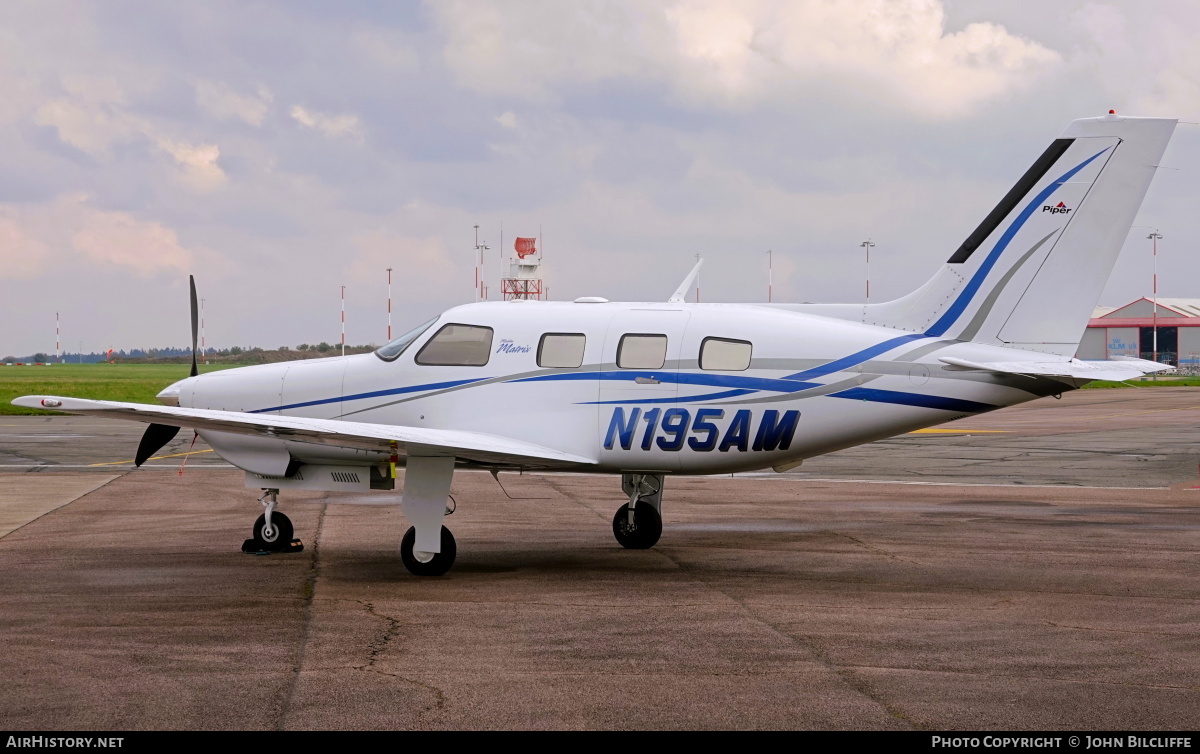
(394,348)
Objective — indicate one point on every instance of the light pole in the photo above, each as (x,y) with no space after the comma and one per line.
(1154,236)
(867,244)
(389,337)
(480,289)
(770,273)
(343,320)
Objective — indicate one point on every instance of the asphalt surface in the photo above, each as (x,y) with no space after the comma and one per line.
(1034,569)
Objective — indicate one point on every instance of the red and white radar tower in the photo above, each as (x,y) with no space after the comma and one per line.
(523,279)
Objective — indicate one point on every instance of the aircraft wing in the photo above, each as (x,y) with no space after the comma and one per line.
(386,438)
(1115,370)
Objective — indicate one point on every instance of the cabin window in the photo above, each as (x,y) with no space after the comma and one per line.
(725,355)
(394,348)
(642,352)
(561,350)
(458,346)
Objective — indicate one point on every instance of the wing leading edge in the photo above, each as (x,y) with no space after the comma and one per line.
(406,441)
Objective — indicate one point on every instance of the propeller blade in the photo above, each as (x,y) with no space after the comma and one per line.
(195,329)
(155,437)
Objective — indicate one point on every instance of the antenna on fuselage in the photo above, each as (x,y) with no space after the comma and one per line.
(681,292)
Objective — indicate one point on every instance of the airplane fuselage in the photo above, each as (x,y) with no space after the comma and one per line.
(739,386)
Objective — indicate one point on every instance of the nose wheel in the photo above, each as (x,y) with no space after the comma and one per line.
(427,563)
(272,531)
(275,537)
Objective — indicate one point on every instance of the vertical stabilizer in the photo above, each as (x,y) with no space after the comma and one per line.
(1031,273)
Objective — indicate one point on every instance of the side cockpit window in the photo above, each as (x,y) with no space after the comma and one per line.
(642,352)
(725,355)
(458,346)
(394,348)
(561,350)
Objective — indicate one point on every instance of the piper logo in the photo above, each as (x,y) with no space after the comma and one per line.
(1057,209)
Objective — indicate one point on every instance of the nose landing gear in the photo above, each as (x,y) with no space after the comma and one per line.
(273,530)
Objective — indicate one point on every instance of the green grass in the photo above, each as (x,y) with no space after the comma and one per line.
(136,383)
(1148,382)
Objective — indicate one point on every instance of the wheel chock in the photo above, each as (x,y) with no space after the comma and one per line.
(252,547)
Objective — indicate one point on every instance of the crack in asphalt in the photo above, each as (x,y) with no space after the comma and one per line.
(377,648)
(310,589)
(877,550)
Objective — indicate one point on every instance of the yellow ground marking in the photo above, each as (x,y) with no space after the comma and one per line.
(152,458)
(934,431)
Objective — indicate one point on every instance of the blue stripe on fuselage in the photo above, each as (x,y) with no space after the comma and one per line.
(854,359)
(373,394)
(957,405)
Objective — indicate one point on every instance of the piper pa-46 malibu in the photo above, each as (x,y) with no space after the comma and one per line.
(647,390)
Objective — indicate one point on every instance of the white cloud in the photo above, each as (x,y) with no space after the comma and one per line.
(21,256)
(91,118)
(413,258)
(94,119)
(118,238)
(333,126)
(742,53)
(386,48)
(34,237)
(222,101)
(507,119)
(197,162)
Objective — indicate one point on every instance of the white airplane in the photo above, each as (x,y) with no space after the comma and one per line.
(647,390)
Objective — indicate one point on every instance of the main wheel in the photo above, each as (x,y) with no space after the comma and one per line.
(645,530)
(435,566)
(280,535)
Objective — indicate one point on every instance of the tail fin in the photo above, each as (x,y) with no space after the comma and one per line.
(1031,273)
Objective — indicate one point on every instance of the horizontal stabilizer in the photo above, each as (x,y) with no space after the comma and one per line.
(385,438)
(1076,369)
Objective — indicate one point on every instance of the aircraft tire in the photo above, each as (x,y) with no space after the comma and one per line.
(646,529)
(441,562)
(280,539)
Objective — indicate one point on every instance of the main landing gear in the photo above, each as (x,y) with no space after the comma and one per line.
(421,563)
(638,523)
(273,530)
(428,548)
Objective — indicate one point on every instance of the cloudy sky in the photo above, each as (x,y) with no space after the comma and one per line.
(280,150)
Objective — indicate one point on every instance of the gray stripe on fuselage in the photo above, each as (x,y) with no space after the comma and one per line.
(986,307)
(812,392)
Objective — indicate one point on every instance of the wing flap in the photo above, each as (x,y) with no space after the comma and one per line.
(1076,369)
(406,441)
